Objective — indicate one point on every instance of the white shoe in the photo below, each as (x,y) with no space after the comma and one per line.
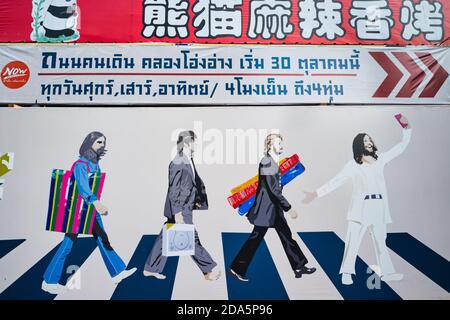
(53,288)
(392,277)
(347,279)
(159,276)
(124,274)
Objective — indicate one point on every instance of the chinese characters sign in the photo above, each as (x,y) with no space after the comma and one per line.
(142,74)
(398,22)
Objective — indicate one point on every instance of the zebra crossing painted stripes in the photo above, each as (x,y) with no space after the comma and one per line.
(6,246)
(328,250)
(265,281)
(139,287)
(427,261)
(28,286)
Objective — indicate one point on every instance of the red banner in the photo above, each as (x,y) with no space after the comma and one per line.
(399,22)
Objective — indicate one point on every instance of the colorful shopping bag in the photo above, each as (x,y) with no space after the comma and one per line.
(243,196)
(248,189)
(67,211)
(285,179)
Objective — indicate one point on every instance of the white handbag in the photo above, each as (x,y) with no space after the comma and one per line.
(178,240)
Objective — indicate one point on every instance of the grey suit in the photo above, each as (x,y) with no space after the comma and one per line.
(183,194)
(267,212)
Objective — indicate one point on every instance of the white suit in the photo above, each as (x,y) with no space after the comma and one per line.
(371,213)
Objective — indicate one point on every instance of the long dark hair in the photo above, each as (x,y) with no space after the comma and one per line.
(358,148)
(86,147)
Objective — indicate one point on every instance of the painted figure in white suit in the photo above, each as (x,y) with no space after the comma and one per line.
(369,207)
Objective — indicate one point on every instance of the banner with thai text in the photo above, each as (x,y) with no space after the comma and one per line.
(142,74)
(399,22)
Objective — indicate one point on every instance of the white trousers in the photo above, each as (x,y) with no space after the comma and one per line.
(372,219)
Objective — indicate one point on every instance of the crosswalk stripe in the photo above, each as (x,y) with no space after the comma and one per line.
(309,287)
(189,277)
(6,246)
(265,282)
(138,287)
(28,286)
(424,259)
(23,257)
(328,249)
(414,285)
(426,272)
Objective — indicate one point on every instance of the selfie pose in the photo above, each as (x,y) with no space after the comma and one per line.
(369,207)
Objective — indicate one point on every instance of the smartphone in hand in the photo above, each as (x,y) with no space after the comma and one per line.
(399,117)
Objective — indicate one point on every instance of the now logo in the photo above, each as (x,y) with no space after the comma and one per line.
(15,74)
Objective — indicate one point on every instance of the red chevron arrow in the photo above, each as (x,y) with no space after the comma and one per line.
(416,75)
(393,75)
(439,75)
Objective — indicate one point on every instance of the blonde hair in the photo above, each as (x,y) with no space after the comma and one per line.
(269,141)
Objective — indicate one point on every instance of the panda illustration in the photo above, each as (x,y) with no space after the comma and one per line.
(60,19)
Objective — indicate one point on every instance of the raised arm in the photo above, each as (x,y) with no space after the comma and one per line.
(399,148)
(335,182)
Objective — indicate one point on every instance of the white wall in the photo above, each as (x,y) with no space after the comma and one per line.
(140,145)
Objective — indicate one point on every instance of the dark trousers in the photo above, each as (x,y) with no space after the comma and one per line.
(97,232)
(295,255)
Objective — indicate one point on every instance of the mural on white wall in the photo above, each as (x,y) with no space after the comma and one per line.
(161,202)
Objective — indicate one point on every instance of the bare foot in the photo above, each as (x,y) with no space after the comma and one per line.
(213,275)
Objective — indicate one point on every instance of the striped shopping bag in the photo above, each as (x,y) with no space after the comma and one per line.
(67,211)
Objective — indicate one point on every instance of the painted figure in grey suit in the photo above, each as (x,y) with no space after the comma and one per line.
(268,212)
(186,193)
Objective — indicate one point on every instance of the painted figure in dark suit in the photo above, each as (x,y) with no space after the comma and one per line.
(268,212)
(186,193)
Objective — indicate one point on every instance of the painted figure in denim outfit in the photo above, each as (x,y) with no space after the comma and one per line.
(91,151)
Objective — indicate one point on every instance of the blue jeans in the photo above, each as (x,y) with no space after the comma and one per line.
(113,262)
